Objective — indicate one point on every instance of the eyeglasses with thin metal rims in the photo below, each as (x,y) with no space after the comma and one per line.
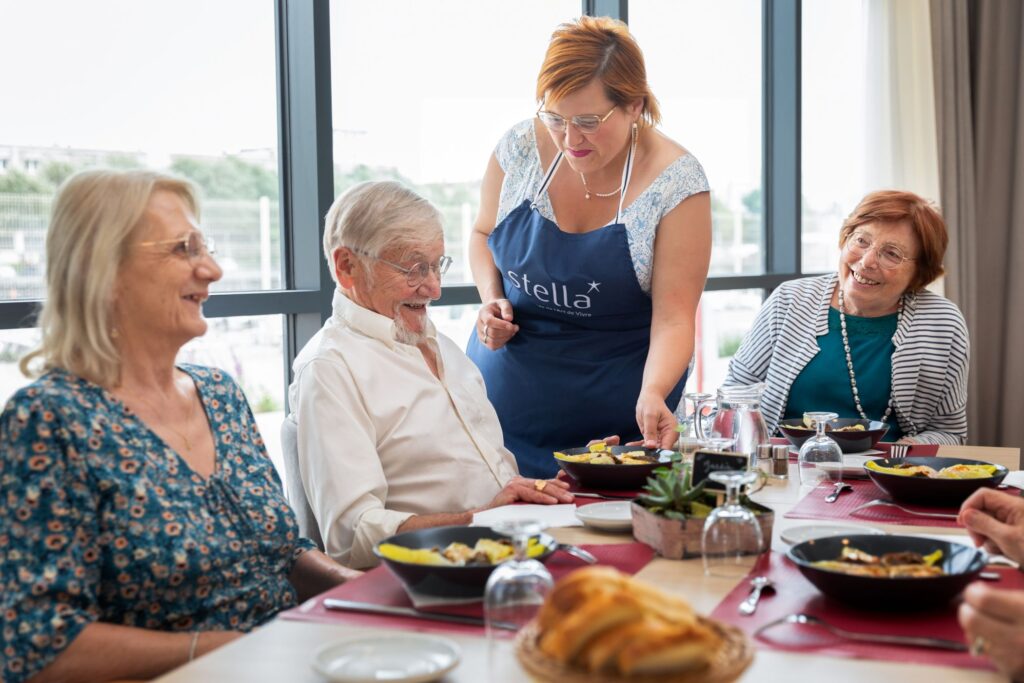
(192,246)
(889,255)
(417,273)
(586,124)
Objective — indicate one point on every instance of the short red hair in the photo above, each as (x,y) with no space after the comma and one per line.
(602,48)
(895,206)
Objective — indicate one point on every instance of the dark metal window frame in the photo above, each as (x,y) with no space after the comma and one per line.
(306,171)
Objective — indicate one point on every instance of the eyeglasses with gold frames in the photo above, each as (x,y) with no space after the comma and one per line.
(192,246)
(889,255)
(417,273)
(586,124)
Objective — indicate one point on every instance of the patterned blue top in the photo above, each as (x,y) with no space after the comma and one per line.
(518,157)
(103,521)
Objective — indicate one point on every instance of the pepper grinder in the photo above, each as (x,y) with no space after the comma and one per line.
(780,461)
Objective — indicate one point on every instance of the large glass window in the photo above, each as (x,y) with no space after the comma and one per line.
(422,91)
(706,74)
(125,84)
(723,319)
(868,119)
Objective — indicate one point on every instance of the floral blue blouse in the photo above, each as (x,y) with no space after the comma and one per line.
(103,521)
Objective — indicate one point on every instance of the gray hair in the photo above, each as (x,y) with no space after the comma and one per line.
(376,216)
(96,218)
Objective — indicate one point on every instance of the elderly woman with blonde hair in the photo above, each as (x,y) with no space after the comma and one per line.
(136,496)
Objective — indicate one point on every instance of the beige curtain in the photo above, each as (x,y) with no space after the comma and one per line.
(978,52)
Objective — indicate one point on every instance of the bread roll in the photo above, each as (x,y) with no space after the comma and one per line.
(599,619)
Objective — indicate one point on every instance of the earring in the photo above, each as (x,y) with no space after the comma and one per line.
(114,333)
(636,129)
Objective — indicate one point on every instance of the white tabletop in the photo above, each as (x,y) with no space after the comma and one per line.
(283,650)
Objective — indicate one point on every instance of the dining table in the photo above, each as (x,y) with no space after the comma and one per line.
(283,649)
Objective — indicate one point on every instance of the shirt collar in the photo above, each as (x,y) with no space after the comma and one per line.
(370,323)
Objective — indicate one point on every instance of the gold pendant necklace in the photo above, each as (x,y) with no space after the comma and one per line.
(587,193)
(188,420)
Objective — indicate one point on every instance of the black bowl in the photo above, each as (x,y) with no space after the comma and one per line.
(448,582)
(960,562)
(613,477)
(850,442)
(925,491)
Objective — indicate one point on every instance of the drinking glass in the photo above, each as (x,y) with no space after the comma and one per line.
(689,440)
(516,588)
(820,458)
(732,539)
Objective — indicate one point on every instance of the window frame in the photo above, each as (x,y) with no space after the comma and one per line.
(306,172)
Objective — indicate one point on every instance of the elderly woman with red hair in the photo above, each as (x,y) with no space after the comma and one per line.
(869,341)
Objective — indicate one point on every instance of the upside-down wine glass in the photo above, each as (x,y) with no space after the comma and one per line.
(732,539)
(821,458)
(689,441)
(515,590)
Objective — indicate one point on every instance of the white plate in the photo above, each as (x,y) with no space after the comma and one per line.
(853,464)
(612,515)
(807,532)
(405,657)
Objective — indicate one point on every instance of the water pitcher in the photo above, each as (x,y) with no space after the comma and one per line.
(738,417)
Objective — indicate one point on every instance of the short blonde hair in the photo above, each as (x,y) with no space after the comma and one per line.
(375,216)
(96,218)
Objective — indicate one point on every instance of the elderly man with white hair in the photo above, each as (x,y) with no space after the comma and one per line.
(393,429)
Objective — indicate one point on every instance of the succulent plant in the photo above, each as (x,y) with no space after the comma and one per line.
(670,493)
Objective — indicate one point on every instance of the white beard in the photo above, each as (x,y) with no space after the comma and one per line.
(403,334)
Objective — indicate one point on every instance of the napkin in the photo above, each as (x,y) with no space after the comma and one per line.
(548,515)
(1015,478)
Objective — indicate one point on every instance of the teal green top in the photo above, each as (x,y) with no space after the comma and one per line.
(824,383)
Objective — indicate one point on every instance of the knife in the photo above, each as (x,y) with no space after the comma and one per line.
(371,608)
(602,496)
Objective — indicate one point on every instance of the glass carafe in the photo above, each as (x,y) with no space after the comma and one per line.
(738,417)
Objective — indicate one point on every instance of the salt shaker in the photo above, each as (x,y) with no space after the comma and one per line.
(764,458)
(780,461)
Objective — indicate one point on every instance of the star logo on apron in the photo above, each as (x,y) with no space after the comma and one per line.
(593,287)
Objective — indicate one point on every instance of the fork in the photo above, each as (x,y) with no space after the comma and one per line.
(918,513)
(917,641)
(898,451)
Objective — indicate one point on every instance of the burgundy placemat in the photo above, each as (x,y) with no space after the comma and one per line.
(575,487)
(381,587)
(813,506)
(922,450)
(797,594)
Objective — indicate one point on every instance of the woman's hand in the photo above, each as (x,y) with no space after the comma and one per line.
(494,326)
(543,491)
(657,423)
(995,520)
(993,620)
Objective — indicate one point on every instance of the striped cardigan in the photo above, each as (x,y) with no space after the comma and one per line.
(929,363)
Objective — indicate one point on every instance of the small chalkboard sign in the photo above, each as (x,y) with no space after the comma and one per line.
(706,462)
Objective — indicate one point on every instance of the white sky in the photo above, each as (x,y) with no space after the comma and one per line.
(427,87)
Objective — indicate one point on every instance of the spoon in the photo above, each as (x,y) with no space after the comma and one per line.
(840,487)
(757,584)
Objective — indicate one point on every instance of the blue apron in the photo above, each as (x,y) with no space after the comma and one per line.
(573,371)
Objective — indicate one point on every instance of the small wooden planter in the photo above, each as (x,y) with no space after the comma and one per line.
(676,539)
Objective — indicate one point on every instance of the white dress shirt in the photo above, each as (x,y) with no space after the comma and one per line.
(381,439)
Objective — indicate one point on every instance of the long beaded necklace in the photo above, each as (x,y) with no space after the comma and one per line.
(849,356)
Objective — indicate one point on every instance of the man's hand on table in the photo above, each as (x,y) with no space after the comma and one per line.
(993,620)
(542,491)
(995,520)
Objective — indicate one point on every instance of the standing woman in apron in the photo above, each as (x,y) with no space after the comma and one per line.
(590,255)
